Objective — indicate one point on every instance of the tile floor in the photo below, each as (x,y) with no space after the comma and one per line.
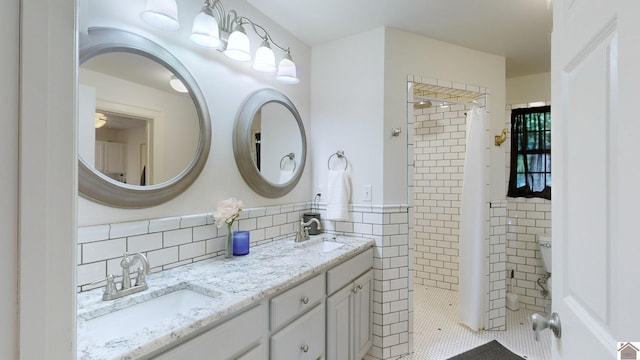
(438,335)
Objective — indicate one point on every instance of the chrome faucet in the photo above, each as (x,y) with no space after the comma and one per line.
(111,291)
(302,233)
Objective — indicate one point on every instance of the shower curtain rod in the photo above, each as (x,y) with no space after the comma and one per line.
(446,100)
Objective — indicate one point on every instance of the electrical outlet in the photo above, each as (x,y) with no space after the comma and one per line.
(366,193)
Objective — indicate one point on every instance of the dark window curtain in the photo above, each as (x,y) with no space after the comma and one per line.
(530,174)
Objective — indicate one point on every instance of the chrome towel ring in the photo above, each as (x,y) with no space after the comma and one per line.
(291,157)
(340,155)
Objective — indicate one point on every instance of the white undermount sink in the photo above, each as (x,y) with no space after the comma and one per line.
(321,245)
(144,315)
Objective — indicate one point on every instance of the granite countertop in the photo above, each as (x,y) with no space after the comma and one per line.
(233,283)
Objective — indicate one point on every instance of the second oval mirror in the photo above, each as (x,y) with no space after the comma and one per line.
(269,143)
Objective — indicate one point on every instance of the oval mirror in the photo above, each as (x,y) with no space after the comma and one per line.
(144,131)
(269,143)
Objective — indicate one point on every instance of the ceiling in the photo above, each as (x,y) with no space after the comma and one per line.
(519,30)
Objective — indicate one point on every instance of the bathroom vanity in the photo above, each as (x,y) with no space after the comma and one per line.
(284,300)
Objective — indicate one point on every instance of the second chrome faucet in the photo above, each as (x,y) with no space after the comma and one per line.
(302,233)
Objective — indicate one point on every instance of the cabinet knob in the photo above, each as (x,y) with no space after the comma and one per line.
(304,348)
(305,300)
(359,286)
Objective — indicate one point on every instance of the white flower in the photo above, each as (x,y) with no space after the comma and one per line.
(227,211)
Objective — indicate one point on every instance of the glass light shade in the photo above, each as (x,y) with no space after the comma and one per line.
(177,85)
(238,47)
(205,31)
(99,120)
(287,71)
(265,60)
(162,14)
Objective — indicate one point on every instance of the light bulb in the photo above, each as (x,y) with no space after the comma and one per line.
(99,120)
(287,71)
(238,47)
(177,85)
(265,60)
(205,31)
(161,14)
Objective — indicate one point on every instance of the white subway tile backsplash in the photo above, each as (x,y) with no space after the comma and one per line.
(204,232)
(163,256)
(190,221)
(103,250)
(177,237)
(93,233)
(142,243)
(192,250)
(91,272)
(129,229)
(158,225)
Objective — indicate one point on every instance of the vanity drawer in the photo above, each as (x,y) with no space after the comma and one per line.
(303,339)
(344,273)
(290,304)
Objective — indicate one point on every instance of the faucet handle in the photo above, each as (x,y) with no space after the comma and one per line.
(140,279)
(110,287)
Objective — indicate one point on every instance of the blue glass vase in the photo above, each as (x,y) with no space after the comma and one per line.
(240,242)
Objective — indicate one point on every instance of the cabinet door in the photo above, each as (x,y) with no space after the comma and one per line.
(363,314)
(338,324)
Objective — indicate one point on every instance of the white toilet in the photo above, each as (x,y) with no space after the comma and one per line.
(544,243)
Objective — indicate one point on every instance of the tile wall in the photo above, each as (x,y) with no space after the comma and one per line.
(438,148)
(437,145)
(526,219)
(176,241)
(439,151)
(497,264)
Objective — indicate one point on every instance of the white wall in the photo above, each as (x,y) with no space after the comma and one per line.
(411,54)
(525,89)
(225,85)
(347,99)
(9,17)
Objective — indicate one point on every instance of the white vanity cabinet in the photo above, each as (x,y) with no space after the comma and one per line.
(349,308)
(299,323)
(242,337)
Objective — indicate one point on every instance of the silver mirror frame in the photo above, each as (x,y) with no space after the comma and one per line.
(97,187)
(242,143)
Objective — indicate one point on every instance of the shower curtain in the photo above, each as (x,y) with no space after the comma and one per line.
(472,225)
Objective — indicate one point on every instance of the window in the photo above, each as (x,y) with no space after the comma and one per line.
(530,153)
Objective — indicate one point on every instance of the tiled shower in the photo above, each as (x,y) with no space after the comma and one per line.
(436,163)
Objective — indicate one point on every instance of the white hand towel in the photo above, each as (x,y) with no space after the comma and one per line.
(285,176)
(338,194)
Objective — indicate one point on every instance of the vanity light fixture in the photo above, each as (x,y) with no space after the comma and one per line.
(216,28)
(162,14)
(177,85)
